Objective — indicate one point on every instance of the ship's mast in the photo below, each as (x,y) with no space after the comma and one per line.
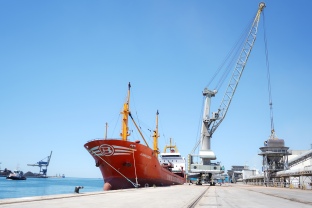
(170,146)
(124,126)
(106,126)
(155,137)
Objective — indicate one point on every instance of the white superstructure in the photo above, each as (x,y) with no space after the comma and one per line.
(173,159)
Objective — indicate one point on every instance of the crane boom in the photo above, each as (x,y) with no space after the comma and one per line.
(210,124)
(237,73)
(206,168)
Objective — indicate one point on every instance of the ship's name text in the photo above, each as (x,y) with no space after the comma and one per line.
(147,156)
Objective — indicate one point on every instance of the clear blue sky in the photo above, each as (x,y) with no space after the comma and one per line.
(65,66)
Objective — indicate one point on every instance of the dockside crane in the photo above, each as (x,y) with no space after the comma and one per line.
(43,165)
(206,168)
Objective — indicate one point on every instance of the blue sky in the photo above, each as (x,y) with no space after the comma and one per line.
(65,66)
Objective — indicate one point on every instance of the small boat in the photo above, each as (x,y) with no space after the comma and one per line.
(130,164)
(16,175)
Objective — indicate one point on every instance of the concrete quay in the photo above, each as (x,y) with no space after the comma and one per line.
(229,195)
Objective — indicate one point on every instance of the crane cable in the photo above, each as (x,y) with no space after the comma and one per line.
(225,68)
(228,62)
(269,79)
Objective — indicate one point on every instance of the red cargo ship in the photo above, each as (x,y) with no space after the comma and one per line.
(126,164)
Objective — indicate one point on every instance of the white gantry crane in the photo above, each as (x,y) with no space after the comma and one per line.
(204,169)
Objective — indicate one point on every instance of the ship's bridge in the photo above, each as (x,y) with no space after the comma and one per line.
(166,155)
(174,159)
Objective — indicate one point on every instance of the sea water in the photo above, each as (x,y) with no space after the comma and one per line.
(47,186)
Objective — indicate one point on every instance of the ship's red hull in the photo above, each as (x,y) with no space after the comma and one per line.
(126,164)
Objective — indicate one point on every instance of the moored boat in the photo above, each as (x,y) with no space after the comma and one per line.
(130,164)
(16,175)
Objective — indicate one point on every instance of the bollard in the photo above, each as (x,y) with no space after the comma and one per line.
(77,189)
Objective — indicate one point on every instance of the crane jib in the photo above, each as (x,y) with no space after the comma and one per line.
(210,124)
(237,72)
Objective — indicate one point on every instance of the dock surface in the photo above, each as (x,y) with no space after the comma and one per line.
(229,195)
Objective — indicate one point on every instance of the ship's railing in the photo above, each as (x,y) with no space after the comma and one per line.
(97,139)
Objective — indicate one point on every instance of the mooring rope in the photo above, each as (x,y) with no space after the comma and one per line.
(136,177)
(135,185)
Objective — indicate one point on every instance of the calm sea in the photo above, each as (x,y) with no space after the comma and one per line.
(47,186)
